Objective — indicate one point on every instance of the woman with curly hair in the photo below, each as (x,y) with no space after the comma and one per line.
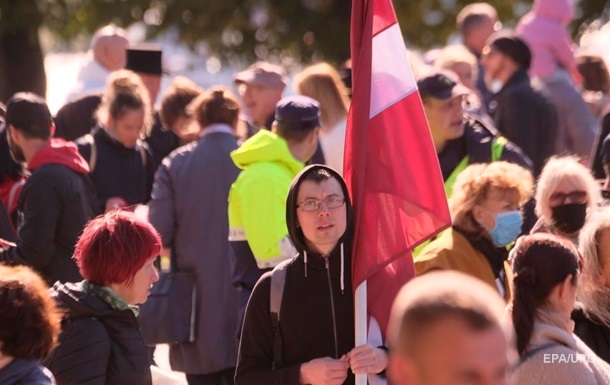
(29,326)
(486,210)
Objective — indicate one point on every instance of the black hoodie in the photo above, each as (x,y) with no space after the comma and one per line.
(97,344)
(317,314)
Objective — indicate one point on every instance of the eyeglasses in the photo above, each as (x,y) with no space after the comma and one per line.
(560,198)
(331,202)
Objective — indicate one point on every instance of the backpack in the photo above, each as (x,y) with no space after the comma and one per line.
(278,282)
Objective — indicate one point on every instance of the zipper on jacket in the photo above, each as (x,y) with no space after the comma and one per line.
(332,306)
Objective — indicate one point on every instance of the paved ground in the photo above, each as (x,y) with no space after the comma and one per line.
(162,359)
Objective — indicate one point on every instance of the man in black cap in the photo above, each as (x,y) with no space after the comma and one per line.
(460,139)
(269,161)
(521,113)
(57,199)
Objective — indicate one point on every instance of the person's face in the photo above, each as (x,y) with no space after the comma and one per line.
(480,33)
(152,82)
(604,256)
(322,226)
(15,150)
(451,353)
(445,118)
(497,201)
(494,62)
(259,101)
(127,128)
(186,128)
(138,291)
(566,192)
(464,72)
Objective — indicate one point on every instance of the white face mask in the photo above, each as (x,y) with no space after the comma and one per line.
(495,86)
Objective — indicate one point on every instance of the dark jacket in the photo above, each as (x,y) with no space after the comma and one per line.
(54,205)
(476,144)
(97,344)
(161,140)
(118,171)
(77,118)
(25,372)
(307,325)
(527,118)
(594,333)
(190,214)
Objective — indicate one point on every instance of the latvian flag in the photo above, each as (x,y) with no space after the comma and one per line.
(391,166)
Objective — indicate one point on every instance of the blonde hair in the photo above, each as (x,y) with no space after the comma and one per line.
(592,292)
(473,185)
(323,83)
(455,54)
(558,169)
(125,91)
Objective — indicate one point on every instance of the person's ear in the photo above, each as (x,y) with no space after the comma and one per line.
(52,129)
(400,370)
(478,214)
(274,127)
(564,288)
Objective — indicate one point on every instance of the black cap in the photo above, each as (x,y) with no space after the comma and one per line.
(512,46)
(297,112)
(28,112)
(145,59)
(441,84)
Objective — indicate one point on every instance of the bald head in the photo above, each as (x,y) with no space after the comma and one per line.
(476,22)
(109,46)
(451,321)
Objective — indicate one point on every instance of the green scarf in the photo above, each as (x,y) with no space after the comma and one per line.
(108,296)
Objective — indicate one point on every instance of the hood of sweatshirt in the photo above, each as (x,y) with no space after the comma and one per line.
(265,146)
(61,152)
(558,10)
(294,231)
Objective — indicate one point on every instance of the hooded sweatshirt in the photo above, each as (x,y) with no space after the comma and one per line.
(316,316)
(544,31)
(54,205)
(97,344)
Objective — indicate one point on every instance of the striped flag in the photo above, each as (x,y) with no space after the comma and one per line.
(391,166)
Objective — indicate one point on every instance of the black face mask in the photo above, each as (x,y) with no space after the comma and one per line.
(569,218)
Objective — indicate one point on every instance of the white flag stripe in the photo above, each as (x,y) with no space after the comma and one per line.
(391,78)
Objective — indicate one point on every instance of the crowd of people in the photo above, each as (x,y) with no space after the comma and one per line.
(242,186)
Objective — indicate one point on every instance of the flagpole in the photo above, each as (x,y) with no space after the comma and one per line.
(360,323)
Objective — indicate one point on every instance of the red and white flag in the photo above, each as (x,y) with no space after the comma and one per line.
(391,166)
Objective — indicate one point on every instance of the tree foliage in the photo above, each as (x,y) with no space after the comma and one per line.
(288,30)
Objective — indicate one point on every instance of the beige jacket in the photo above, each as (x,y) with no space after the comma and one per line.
(568,362)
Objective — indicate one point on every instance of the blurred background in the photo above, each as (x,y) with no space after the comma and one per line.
(42,42)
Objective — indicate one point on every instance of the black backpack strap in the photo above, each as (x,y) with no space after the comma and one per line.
(530,353)
(278,282)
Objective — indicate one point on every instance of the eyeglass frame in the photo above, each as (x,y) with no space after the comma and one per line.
(576,196)
(318,203)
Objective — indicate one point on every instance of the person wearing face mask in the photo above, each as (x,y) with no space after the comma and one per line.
(566,195)
(120,162)
(486,210)
(521,112)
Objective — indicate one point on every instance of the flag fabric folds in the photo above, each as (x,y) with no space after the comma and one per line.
(391,166)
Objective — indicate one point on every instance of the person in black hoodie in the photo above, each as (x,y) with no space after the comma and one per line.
(56,200)
(316,332)
(100,341)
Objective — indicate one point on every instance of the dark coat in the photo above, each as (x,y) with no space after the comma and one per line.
(97,344)
(25,372)
(527,118)
(162,141)
(476,144)
(76,118)
(595,334)
(118,171)
(54,205)
(189,210)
